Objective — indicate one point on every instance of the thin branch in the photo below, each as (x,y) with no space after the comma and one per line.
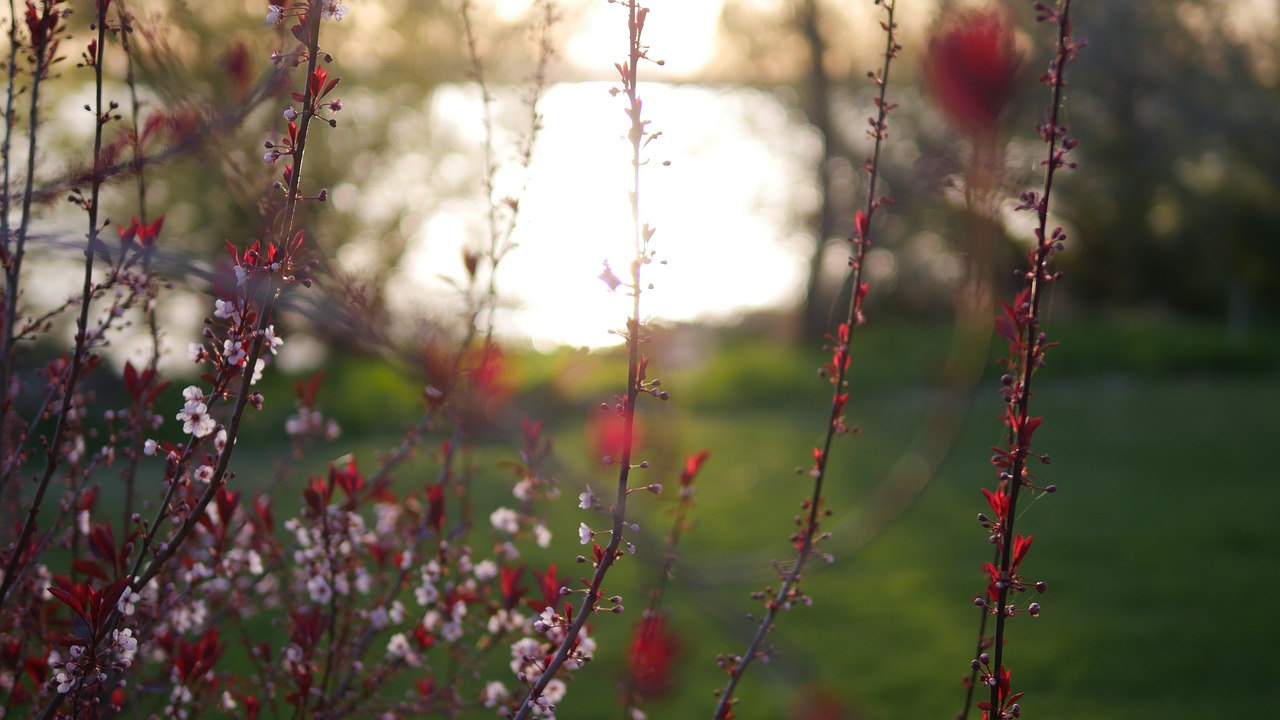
(860,239)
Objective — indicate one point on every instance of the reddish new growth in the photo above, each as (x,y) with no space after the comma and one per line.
(1020,325)
(692,465)
(1011,579)
(1007,702)
(972,67)
(809,534)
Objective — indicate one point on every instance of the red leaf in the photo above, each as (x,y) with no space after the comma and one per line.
(1006,329)
(998,501)
(87,567)
(692,465)
(1020,547)
(262,506)
(102,542)
(435,509)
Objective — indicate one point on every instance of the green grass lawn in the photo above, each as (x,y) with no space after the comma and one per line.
(1161,547)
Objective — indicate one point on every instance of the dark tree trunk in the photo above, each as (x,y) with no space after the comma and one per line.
(815,313)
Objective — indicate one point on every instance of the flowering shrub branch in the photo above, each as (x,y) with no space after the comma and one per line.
(809,534)
(638,383)
(1021,326)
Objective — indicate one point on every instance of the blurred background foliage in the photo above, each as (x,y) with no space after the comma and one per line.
(1175,103)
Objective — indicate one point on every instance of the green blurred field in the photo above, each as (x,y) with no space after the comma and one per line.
(1160,548)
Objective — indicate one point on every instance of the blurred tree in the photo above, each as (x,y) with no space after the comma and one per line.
(823,50)
(1179,204)
(787,43)
(834,214)
(384,167)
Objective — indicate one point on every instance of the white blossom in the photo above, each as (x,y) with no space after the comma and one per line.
(196,353)
(398,649)
(195,419)
(505,520)
(234,351)
(426,593)
(126,645)
(486,570)
(530,648)
(254,562)
(554,692)
(128,602)
(320,590)
(493,694)
(333,10)
(522,489)
(273,341)
(431,620)
(226,309)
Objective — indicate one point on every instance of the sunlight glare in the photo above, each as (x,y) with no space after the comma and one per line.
(724,211)
(685,39)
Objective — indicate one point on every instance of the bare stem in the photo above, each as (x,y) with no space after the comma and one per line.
(11,275)
(14,255)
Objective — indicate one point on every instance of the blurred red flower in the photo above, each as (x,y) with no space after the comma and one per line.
(607,434)
(972,67)
(654,647)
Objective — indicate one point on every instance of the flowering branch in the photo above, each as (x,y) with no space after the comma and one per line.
(835,371)
(638,137)
(1021,326)
(262,267)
